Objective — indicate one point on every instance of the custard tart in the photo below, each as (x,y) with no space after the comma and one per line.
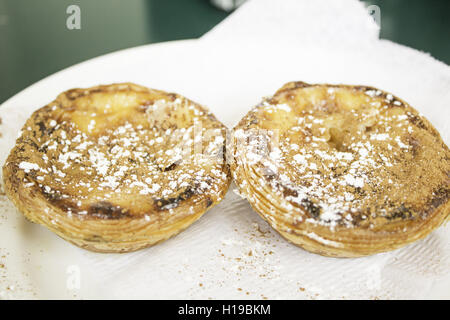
(340,170)
(116,168)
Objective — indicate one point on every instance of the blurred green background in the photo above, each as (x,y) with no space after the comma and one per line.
(34,40)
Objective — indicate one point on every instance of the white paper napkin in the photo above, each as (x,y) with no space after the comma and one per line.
(302,23)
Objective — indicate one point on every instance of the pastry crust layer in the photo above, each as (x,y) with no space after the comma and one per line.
(341,170)
(119,167)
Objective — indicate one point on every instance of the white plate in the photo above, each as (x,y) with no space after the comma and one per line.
(210,259)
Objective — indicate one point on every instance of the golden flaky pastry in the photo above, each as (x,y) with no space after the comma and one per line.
(342,171)
(117,168)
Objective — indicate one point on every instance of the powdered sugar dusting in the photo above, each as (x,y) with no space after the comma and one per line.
(328,165)
(150,158)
